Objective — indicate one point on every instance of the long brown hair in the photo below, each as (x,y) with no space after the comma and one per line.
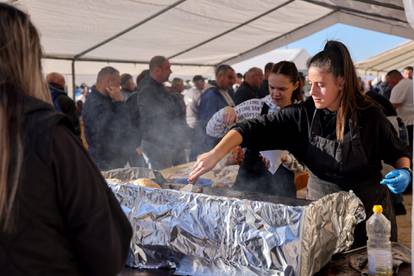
(288,69)
(335,59)
(20,74)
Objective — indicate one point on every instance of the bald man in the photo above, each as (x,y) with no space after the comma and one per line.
(61,101)
(106,121)
(249,89)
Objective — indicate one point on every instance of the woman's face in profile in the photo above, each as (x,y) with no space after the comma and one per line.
(281,89)
(325,88)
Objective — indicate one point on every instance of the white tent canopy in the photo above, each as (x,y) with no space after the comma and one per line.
(196,32)
(200,33)
(396,58)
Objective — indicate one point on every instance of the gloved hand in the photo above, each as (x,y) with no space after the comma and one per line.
(397,180)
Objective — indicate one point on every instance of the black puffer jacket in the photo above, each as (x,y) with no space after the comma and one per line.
(105,124)
(159,116)
(67,220)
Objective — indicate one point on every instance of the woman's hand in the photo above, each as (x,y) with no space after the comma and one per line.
(114,92)
(205,162)
(208,161)
(229,115)
(397,180)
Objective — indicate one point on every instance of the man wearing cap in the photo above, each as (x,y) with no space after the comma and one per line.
(192,101)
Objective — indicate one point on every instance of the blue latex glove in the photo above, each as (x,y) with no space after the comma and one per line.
(397,180)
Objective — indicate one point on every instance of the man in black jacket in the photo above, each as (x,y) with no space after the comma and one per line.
(264,88)
(69,222)
(105,117)
(159,119)
(61,100)
(249,89)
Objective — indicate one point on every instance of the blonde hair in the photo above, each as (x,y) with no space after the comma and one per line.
(20,75)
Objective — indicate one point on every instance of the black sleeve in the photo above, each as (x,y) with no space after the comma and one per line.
(97,227)
(149,104)
(108,122)
(384,103)
(134,117)
(68,107)
(240,96)
(390,145)
(281,130)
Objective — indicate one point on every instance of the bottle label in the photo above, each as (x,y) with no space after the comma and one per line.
(379,260)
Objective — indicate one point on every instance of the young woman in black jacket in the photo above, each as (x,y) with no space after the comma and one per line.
(254,176)
(57,215)
(338,134)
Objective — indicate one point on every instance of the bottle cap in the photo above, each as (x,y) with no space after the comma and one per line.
(377,209)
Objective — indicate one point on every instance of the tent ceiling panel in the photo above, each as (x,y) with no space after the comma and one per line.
(67,29)
(394,9)
(277,23)
(161,36)
(197,31)
(376,24)
(397,3)
(286,38)
(164,34)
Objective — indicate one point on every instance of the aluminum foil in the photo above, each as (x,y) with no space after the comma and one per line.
(328,227)
(126,174)
(198,234)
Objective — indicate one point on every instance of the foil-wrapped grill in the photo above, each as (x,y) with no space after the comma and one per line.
(199,234)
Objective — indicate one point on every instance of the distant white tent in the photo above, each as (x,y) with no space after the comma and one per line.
(298,56)
(396,58)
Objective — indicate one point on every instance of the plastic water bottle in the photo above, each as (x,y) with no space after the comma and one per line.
(379,245)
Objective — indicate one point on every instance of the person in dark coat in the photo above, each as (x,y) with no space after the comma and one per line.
(385,104)
(183,130)
(133,135)
(212,100)
(127,86)
(57,214)
(284,89)
(61,100)
(264,88)
(249,88)
(158,116)
(338,134)
(105,118)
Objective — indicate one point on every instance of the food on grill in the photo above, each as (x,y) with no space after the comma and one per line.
(187,188)
(146,182)
(113,180)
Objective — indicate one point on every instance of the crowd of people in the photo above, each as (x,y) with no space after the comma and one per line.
(58,216)
(159,126)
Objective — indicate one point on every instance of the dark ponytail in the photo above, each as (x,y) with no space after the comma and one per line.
(289,70)
(335,59)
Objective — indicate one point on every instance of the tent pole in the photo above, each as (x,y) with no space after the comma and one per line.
(73,80)
(109,60)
